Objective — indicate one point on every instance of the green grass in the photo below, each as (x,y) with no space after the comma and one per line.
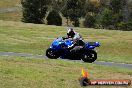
(115,46)
(12,16)
(25,72)
(9,3)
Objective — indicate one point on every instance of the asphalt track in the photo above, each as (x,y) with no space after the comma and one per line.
(112,64)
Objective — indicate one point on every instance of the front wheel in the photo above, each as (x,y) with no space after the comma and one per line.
(89,56)
(51,54)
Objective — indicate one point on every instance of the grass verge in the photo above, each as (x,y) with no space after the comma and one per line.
(26,72)
(13,16)
(9,3)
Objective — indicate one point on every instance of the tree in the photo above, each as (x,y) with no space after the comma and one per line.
(105,18)
(58,5)
(34,10)
(73,10)
(130,9)
(91,6)
(129,25)
(89,21)
(116,5)
(54,18)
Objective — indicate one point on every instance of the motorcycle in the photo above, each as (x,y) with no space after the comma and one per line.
(59,49)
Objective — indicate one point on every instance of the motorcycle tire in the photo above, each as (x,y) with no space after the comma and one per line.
(51,54)
(89,56)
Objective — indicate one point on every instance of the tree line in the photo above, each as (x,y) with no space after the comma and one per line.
(108,14)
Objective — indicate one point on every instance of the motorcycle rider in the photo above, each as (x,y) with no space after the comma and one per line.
(77,40)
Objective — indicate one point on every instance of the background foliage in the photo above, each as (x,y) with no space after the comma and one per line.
(108,14)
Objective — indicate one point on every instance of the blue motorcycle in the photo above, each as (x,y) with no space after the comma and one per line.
(59,49)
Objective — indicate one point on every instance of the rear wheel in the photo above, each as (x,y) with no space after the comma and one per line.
(51,54)
(89,56)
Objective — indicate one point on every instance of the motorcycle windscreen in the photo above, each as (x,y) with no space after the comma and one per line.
(57,41)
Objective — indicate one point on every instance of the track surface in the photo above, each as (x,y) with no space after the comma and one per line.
(112,64)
